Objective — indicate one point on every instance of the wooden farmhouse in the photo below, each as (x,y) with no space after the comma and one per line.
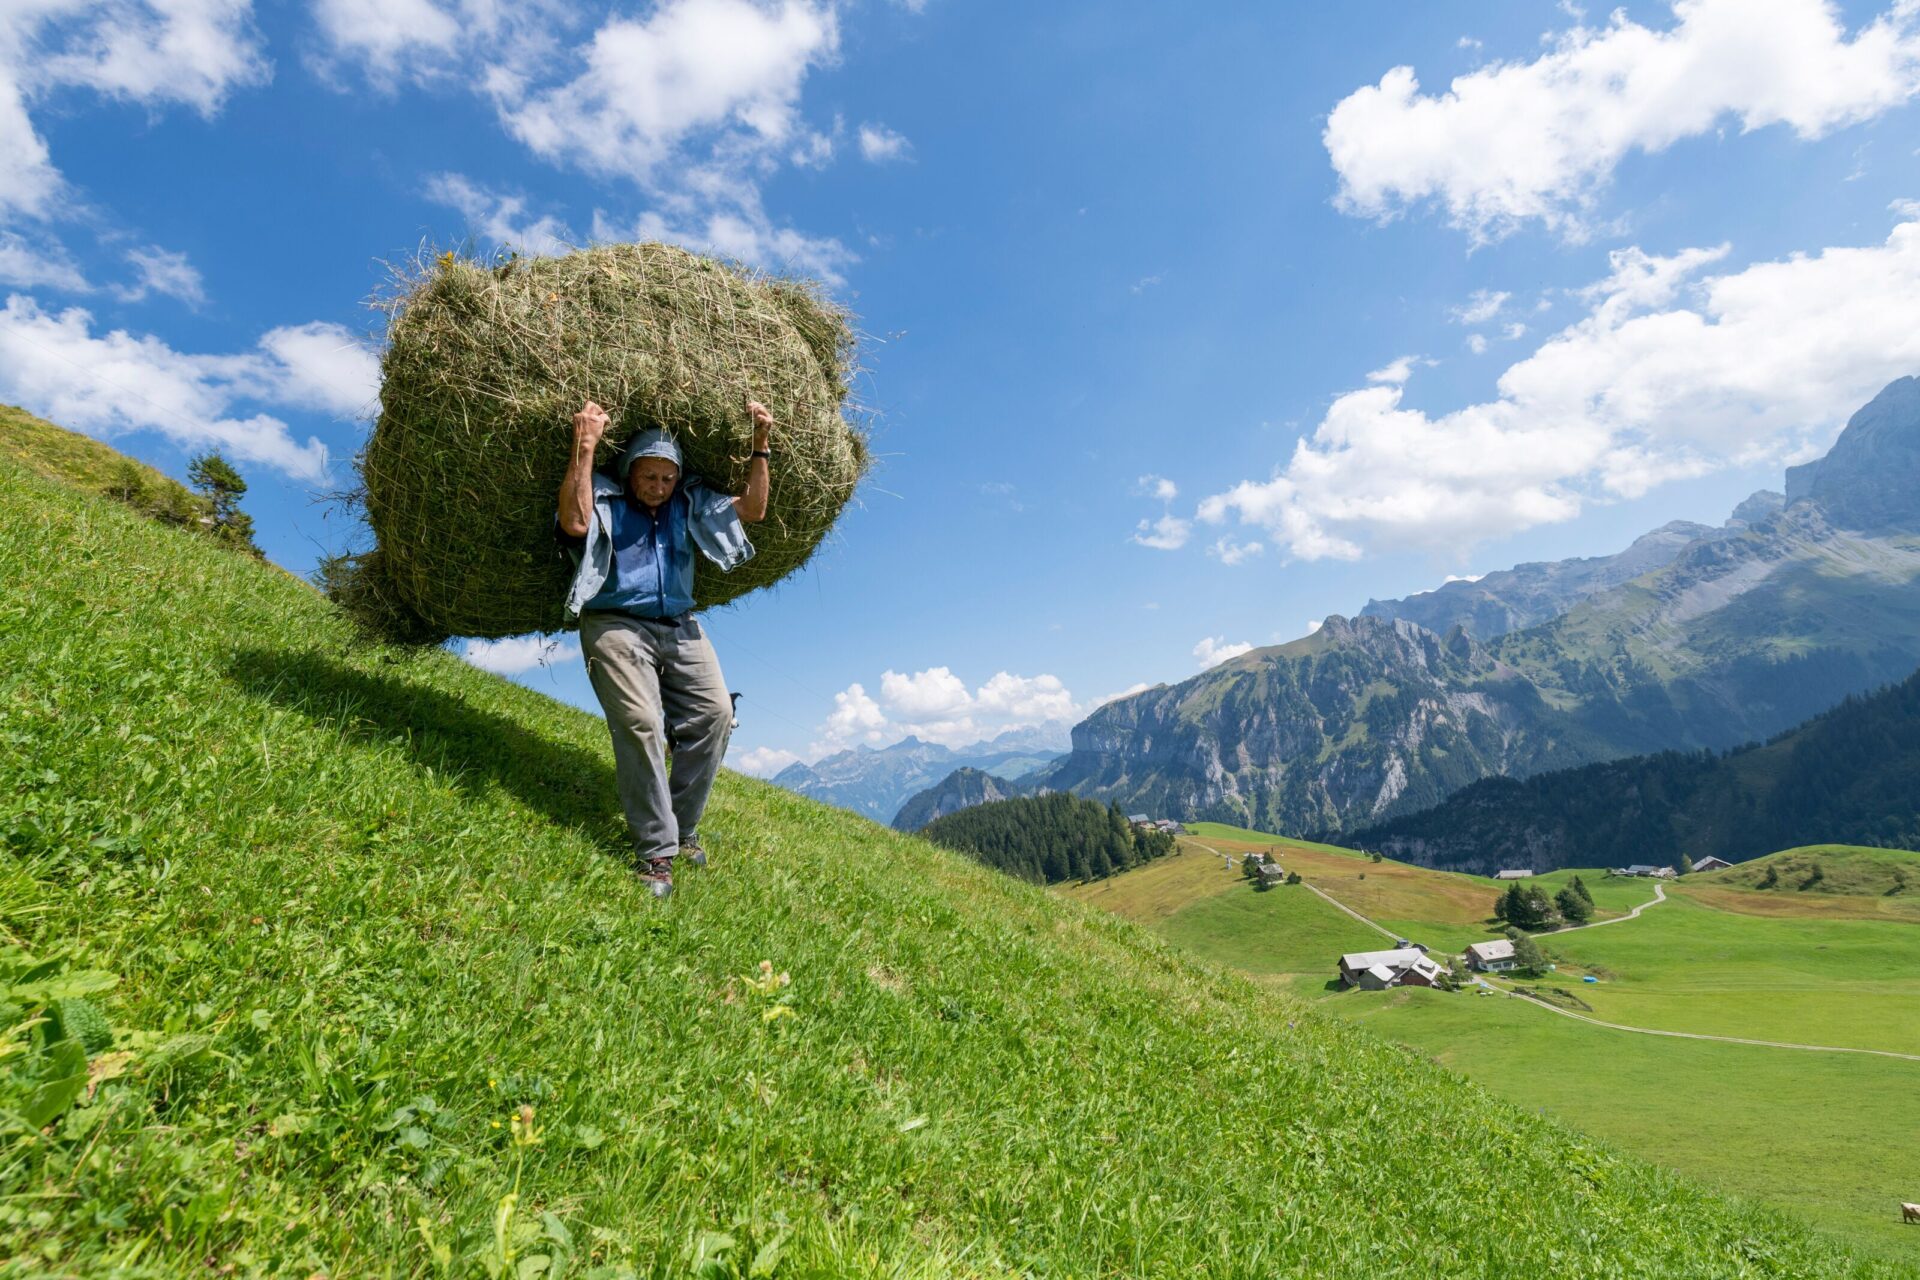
(1711,863)
(1642,871)
(1495,956)
(1514,873)
(1378,970)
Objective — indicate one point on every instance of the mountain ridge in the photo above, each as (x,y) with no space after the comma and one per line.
(1845,776)
(1794,603)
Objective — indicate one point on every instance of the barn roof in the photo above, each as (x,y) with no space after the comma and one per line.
(1399,958)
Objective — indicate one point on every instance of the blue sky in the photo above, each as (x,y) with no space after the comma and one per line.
(1185,326)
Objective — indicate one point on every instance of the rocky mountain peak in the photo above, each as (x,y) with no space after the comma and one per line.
(1870,479)
(1759,507)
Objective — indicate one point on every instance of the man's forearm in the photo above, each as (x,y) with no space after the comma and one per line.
(576,491)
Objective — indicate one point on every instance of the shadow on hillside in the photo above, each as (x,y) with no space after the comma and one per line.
(471,748)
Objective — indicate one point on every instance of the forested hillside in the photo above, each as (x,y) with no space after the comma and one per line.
(1048,839)
(1850,776)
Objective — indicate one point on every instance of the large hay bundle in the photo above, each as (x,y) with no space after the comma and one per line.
(485,366)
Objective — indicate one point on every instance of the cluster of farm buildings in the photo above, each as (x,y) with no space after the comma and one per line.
(1409,965)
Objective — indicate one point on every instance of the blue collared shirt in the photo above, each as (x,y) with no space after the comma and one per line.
(642,563)
(652,560)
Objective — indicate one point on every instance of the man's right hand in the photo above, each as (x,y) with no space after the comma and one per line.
(589,425)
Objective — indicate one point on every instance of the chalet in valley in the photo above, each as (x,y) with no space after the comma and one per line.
(1495,956)
(1645,872)
(1514,873)
(1378,970)
(1711,863)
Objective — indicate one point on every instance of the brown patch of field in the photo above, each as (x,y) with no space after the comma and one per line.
(1801,906)
(1154,892)
(1385,890)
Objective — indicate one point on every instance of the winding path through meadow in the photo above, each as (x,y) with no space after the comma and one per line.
(1659,896)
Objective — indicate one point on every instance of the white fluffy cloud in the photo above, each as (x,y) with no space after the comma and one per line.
(936,705)
(1397,371)
(55,365)
(320,366)
(1669,375)
(1168,533)
(880,144)
(149,52)
(1157,487)
(1228,551)
(727,69)
(158,270)
(388,37)
(695,102)
(1515,142)
(500,219)
(1214,650)
(32,262)
(1482,306)
(763,762)
(741,231)
(516,654)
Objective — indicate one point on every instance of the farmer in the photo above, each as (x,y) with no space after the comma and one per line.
(633,535)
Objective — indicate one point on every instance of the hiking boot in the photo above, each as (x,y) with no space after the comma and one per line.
(658,876)
(691,851)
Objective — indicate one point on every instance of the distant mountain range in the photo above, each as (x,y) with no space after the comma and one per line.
(961,789)
(1850,775)
(1694,637)
(877,781)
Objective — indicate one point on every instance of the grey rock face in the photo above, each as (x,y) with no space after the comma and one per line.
(1866,481)
(1529,594)
(961,789)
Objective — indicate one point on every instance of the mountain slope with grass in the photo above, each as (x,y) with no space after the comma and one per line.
(1847,775)
(371,993)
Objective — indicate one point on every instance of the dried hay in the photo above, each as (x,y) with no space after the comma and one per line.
(486,364)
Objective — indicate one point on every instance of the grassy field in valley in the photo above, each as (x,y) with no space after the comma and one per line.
(368,991)
(1688,966)
(1821,968)
(1830,1135)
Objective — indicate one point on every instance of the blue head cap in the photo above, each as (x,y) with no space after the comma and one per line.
(649,444)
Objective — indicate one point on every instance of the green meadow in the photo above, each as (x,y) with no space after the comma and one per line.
(1686,967)
(1830,1136)
(1827,1135)
(321,959)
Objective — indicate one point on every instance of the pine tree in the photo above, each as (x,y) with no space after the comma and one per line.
(223,487)
(1527,954)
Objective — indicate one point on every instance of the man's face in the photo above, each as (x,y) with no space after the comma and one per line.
(652,481)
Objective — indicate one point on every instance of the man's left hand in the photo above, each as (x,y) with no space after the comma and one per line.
(762,423)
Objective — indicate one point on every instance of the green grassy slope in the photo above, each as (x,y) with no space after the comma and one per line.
(1830,1134)
(1826,869)
(363,908)
(83,462)
(1687,967)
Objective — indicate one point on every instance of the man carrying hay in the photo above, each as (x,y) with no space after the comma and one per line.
(633,535)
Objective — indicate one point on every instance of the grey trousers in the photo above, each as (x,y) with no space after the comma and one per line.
(660,687)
